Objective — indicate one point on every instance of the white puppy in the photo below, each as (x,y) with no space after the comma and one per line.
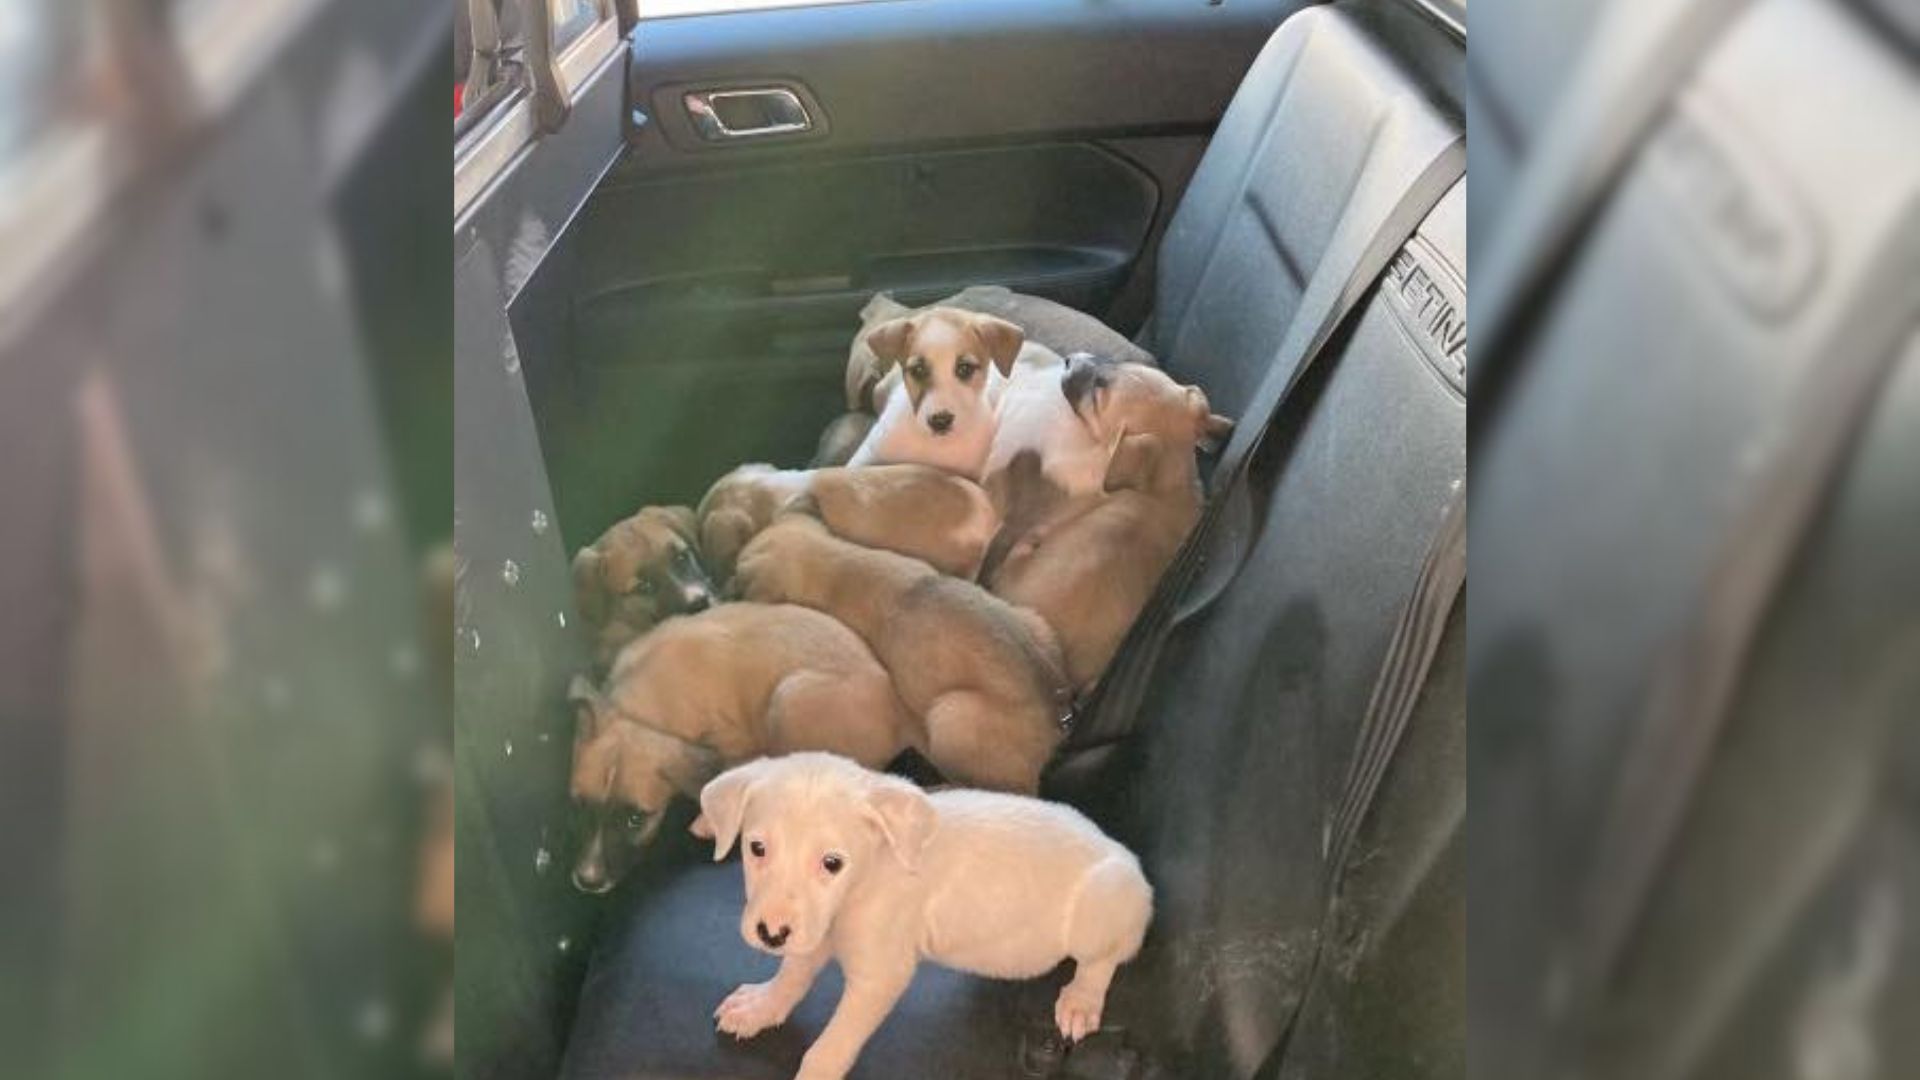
(851,865)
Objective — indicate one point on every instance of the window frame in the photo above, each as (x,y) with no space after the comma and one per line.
(512,123)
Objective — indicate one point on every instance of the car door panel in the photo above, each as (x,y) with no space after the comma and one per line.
(1037,144)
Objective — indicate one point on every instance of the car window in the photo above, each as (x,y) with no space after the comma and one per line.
(488,43)
(667,9)
(573,18)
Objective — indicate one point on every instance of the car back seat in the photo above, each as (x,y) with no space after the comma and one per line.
(1229,785)
(1230,781)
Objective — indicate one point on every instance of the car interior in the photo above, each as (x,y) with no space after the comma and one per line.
(1712,346)
(1202,178)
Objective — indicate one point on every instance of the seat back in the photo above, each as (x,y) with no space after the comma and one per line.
(1651,405)
(1233,775)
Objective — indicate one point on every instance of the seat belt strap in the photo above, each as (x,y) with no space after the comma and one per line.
(1107,712)
(1639,57)
(1403,674)
(1694,685)
(1395,697)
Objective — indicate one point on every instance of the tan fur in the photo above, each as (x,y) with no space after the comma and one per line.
(1090,563)
(934,376)
(639,572)
(986,678)
(909,509)
(706,691)
(995,885)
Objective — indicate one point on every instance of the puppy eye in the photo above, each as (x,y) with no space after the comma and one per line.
(965,368)
(757,849)
(834,864)
(636,820)
(918,370)
(643,586)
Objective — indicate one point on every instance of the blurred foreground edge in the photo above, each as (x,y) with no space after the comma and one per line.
(1694,629)
(225,401)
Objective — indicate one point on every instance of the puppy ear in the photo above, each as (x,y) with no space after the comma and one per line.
(1002,340)
(723,803)
(722,536)
(1134,463)
(889,343)
(905,817)
(690,767)
(681,520)
(1210,428)
(589,594)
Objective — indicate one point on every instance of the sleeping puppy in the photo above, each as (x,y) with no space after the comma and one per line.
(914,510)
(940,408)
(1061,421)
(984,676)
(642,570)
(1089,563)
(710,690)
(847,865)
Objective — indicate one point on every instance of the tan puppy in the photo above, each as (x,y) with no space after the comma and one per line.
(1089,564)
(641,571)
(984,676)
(847,865)
(914,510)
(942,409)
(711,690)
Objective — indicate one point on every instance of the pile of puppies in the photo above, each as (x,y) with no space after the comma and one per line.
(1002,516)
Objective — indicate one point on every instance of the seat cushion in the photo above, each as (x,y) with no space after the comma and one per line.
(671,950)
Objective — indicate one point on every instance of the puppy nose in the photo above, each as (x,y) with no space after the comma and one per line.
(940,422)
(697,598)
(769,938)
(590,879)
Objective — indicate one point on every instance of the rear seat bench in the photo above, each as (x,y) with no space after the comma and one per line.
(1225,789)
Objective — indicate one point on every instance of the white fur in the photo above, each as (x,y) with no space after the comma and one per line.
(899,437)
(1035,415)
(997,885)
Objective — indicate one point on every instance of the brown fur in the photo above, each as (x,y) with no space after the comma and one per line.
(641,571)
(913,510)
(984,676)
(1089,565)
(707,691)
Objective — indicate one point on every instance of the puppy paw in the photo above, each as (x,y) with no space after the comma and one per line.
(751,1009)
(1077,1012)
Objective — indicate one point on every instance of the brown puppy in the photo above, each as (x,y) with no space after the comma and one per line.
(709,691)
(914,510)
(984,676)
(641,571)
(1089,564)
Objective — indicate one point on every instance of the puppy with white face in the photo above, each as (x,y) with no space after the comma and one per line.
(845,864)
(939,374)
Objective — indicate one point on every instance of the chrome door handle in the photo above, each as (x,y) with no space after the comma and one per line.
(750,113)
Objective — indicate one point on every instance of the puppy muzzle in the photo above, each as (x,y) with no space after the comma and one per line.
(592,879)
